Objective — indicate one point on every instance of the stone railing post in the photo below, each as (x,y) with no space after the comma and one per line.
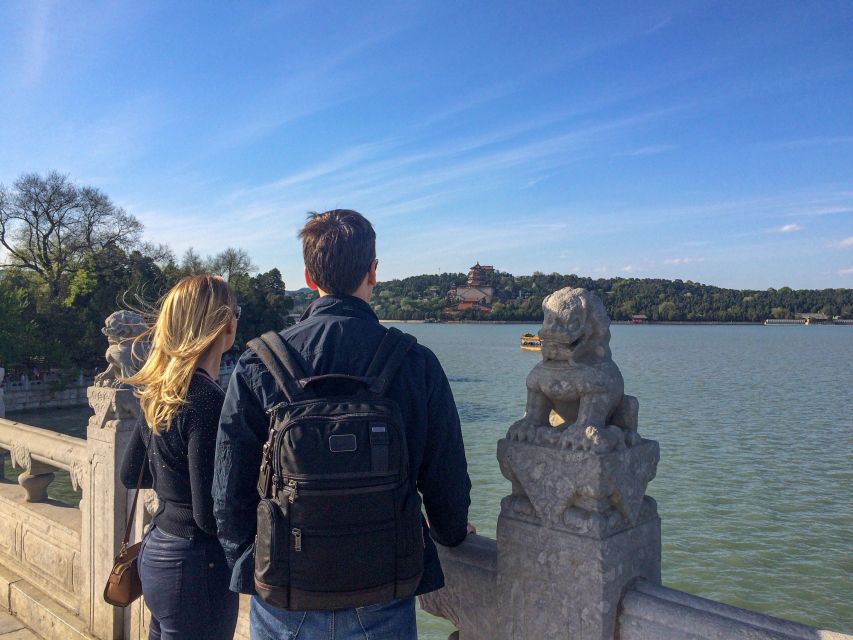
(577,529)
(105,504)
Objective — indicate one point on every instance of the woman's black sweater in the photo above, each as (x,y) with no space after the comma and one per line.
(180,462)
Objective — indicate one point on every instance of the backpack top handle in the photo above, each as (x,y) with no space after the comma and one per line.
(306,382)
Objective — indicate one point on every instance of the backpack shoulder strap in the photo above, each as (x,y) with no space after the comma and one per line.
(286,370)
(389,356)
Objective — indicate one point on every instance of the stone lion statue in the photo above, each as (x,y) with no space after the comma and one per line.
(123,358)
(575,396)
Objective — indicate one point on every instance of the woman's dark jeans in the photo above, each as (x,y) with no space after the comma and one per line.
(185,584)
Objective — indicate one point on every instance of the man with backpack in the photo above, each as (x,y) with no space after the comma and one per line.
(331,434)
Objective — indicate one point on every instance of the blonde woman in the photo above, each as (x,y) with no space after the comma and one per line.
(182,566)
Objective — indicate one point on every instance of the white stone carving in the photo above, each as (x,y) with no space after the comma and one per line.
(79,475)
(575,396)
(124,354)
(21,457)
(112,404)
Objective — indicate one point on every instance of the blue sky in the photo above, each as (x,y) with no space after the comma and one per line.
(696,140)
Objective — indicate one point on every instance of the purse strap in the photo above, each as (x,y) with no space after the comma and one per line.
(135,498)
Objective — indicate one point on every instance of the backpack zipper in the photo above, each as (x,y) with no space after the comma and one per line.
(348,492)
(291,490)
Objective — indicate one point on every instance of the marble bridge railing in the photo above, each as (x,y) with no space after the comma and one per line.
(54,556)
(40,538)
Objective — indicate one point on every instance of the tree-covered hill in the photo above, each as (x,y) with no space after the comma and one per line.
(520,298)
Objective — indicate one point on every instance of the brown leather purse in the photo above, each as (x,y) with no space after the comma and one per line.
(123,585)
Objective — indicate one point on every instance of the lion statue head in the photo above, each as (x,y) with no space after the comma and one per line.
(122,325)
(124,354)
(576,327)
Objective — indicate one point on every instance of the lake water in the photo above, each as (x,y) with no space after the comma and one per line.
(756,431)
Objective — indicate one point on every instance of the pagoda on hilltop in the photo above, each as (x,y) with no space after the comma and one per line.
(477,293)
(478,276)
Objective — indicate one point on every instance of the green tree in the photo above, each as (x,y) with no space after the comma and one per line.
(265,305)
(49,225)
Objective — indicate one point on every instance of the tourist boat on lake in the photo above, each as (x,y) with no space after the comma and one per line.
(530,342)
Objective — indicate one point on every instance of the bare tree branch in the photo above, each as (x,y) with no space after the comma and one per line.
(49,225)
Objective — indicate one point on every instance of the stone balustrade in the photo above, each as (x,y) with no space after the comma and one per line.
(649,610)
(42,557)
(38,452)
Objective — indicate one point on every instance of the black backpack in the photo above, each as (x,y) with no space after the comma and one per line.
(339,521)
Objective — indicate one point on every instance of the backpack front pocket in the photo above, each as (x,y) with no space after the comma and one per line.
(342,560)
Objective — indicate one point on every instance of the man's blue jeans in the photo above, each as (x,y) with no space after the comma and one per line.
(394,620)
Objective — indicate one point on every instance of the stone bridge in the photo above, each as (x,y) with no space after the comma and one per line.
(578,548)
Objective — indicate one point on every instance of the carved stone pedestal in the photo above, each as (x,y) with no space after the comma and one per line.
(575,532)
(116,414)
(556,584)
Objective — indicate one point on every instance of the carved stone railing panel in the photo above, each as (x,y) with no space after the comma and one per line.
(40,538)
(38,452)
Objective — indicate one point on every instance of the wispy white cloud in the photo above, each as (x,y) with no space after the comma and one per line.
(392,180)
(683,260)
(846,272)
(817,210)
(844,244)
(812,142)
(660,25)
(318,84)
(36,46)
(651,150)
(787,228)
(628,268)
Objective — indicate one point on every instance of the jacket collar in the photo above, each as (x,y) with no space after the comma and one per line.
(333,305)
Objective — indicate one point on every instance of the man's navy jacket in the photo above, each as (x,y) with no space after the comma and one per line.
(341,335)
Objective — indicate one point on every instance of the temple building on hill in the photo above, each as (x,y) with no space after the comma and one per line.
(477,292)
(478,275)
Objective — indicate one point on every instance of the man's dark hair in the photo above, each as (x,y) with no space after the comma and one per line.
(338,247)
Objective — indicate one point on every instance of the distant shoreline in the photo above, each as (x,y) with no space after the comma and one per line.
(626,322)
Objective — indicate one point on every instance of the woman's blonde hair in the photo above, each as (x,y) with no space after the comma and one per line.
(192,316)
